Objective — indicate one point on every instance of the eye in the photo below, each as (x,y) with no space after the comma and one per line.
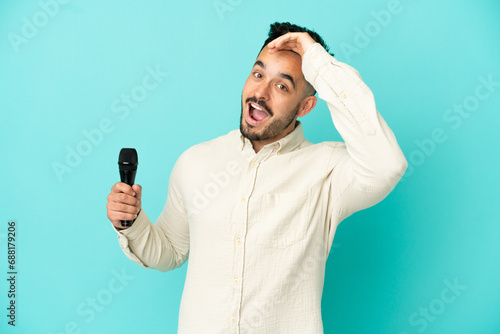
(282,87)
(257,75)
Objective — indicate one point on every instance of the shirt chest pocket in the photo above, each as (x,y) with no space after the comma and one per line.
(283,219)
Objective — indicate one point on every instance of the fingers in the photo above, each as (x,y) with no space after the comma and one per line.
(138,190)
(298,42)
(286,45)
(119,197)
(289,45)
(278,42)
(123,188)
(124,203)
(123,208)
(117,213)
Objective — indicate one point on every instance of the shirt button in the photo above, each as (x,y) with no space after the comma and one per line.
(238,241)
(236,281)
(344,95)
(233,319)
(314,56)
(243,199)
(278,153)
(253,165)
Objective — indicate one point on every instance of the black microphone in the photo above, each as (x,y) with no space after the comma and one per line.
(127,163)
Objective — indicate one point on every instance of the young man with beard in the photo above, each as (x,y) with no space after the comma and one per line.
(256,210)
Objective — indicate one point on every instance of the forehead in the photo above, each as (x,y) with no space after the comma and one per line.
(284,61)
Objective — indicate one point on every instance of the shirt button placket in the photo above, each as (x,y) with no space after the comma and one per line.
(239,250)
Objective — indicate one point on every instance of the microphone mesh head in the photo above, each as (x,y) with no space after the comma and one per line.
(128,156)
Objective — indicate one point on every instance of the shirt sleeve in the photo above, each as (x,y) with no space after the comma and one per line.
(164,245)
(371,163)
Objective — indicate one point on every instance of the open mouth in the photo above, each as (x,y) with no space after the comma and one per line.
(256,114)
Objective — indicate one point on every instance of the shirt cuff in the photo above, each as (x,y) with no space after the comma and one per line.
(313,60)
(132,233)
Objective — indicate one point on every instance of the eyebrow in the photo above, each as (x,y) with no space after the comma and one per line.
(283,75)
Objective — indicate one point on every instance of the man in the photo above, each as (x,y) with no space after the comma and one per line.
(256,210)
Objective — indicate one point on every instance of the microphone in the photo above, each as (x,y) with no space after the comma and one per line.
(127,164)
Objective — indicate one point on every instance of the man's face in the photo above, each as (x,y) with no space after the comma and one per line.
(271,96)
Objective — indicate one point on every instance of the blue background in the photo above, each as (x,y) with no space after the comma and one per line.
(390,262)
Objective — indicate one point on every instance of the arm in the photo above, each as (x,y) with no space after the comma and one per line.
(164,245)
(371,163)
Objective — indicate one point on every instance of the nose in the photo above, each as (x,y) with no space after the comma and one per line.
(262,91)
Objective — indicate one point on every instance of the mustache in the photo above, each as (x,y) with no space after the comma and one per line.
(261,103)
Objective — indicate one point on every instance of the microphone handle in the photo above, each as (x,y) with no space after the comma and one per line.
(128,177)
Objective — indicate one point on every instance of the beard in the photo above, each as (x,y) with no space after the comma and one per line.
(272,129)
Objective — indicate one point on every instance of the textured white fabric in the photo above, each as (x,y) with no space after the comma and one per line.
(258,227)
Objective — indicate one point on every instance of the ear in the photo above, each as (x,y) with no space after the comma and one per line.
(306,106)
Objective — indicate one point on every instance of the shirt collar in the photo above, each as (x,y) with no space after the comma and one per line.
(286,144)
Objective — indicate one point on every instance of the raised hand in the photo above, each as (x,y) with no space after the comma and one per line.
(298,42)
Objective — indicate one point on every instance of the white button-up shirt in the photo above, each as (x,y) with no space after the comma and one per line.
(257,228)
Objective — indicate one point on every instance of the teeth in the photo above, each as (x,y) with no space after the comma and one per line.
(256,106)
